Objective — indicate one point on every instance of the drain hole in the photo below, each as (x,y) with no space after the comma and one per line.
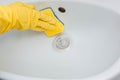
(62,10)
(62,42)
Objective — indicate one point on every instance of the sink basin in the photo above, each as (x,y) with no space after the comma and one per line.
(88,49)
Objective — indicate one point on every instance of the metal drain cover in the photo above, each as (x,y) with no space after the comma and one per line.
(62,42)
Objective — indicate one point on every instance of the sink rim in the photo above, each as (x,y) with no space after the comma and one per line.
(106,75)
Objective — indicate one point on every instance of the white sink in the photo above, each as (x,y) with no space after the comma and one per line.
(90,47)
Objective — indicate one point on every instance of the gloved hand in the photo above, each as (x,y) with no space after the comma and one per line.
(21,16)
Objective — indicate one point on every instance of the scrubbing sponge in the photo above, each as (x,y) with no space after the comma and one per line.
(59,26)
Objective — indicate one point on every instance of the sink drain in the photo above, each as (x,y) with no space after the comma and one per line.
(62,42)
(62,10)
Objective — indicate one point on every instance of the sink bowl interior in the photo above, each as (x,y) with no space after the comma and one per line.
(94,33)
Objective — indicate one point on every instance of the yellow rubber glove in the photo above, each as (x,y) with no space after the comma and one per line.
(21,16)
